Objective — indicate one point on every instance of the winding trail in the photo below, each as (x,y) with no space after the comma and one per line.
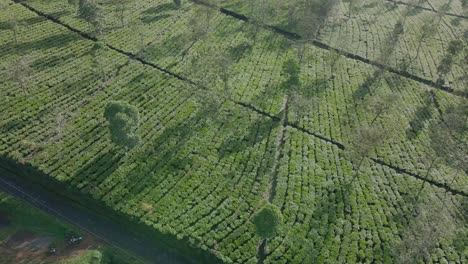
(97,225)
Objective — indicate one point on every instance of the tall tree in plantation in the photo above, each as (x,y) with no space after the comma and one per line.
(455,48)
(292,70)
(363,143)
(120,8)
(311,18)
(431,222)
(448,142)
(353,7)
(20,71)
(74,4)
(267,222)
(178,3)
(429,28)
(123,121)
(381,103)
(91,12)
(98,64)
(448,138)
(367,138)
(14,26)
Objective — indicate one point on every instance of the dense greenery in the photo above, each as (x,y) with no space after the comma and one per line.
(267,221)
(230,114)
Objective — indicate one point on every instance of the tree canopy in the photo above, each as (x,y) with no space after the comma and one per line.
(267,221)
(123,121)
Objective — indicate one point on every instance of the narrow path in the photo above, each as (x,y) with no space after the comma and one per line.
(322,45)
(271,189)
(103,228)
(427,9)
(280,141)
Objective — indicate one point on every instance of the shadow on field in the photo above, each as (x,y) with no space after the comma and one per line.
(421,116)
(160,157)
(256,132)
(97,169)
(160,8)
(51,61)
(153,19)
(54,41)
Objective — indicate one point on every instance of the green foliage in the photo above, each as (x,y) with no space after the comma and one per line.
(123,121)
(292,71)
(92,12)
(20,71)
(178,3)
(267,221)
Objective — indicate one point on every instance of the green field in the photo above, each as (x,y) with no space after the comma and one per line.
(221,130)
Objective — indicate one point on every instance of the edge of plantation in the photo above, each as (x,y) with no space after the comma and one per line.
(73,195)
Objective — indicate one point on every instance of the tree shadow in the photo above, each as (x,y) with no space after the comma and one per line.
(159,155)
(365,88)
(422,114)
(415,11)
(256,132)
(54,41)
(51,61)
(97,170)
(160,8)
(152,19)
(240,50)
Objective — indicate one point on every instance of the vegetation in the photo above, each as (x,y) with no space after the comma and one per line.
(186,118)
(18,218)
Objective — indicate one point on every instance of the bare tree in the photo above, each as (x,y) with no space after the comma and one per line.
(382,103)
(445,66)
(120,8)
(91,12)
(363,143)
(14,26)
(433,223)
(430,27)
(20,71)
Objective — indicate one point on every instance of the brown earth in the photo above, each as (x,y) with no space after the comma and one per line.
(25,247)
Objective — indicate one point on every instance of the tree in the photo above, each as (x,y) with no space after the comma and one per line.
(74,3)
(292,71)
(98,63)
(448,142)
(178,3)
(267,221)
(445,66)
(382,103)
(20,71)
(14,26)
(448,138)
(429,28)
(311,18)
(434,222)
(363,143)
(300,104)
(139,28)
(123,121)
(92,12)
(120,8)
(353,7)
